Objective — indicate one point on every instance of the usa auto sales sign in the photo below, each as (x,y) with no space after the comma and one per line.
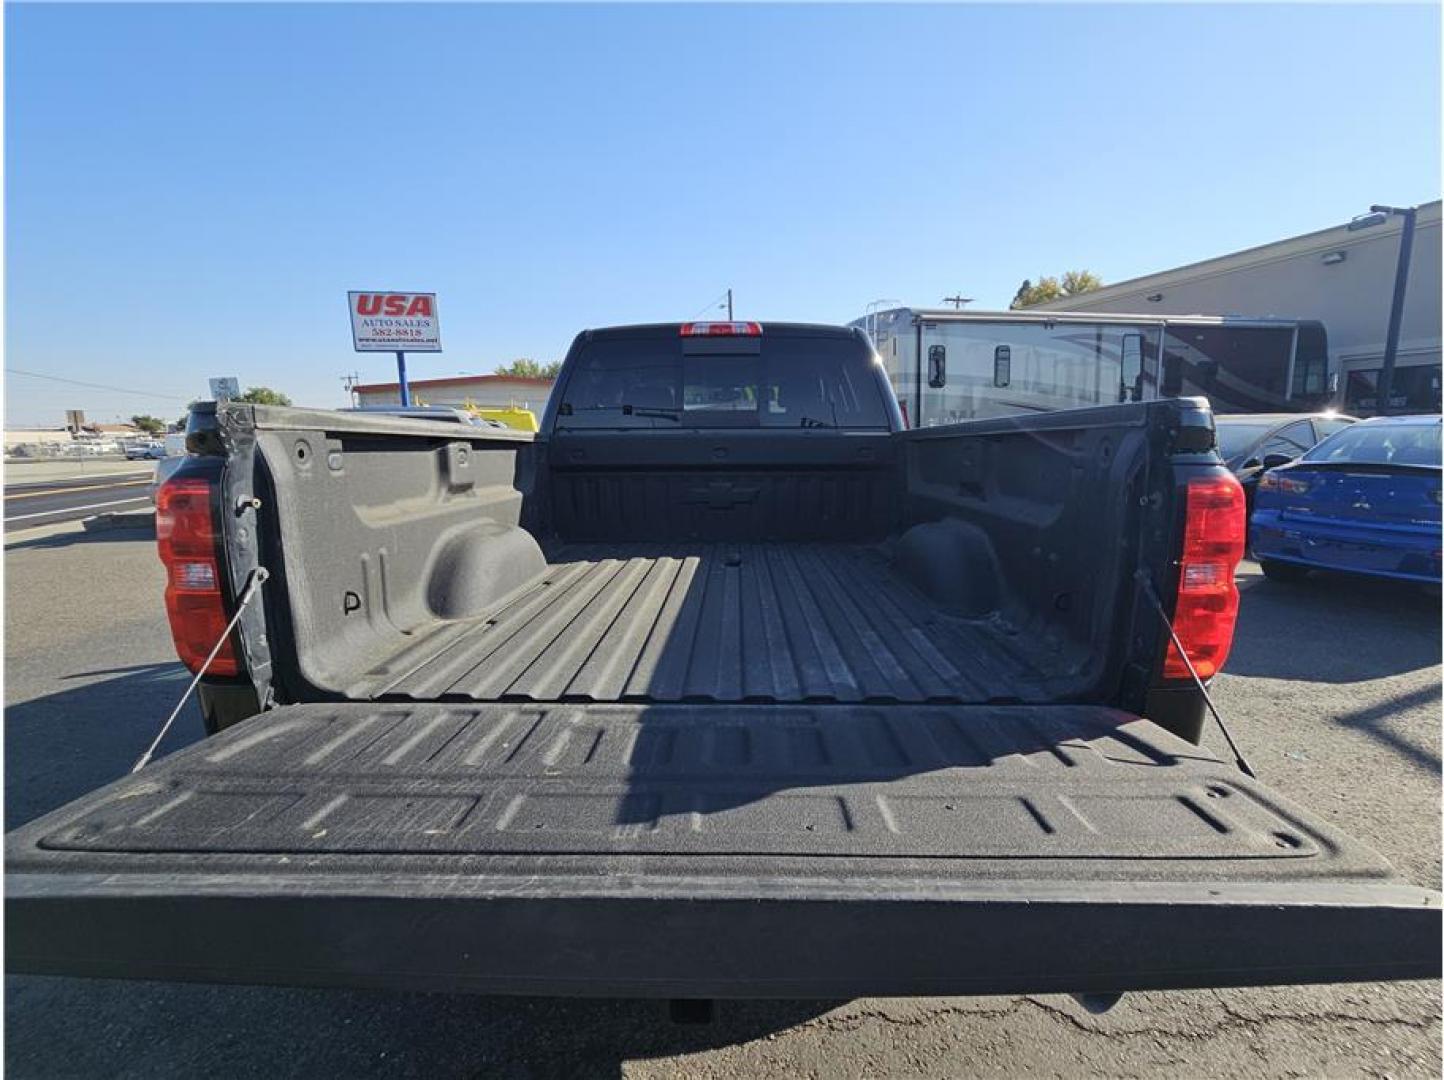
(394,321)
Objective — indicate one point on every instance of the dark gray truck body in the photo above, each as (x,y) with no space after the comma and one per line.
(695,711)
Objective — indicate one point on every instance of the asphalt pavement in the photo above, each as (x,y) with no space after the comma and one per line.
(31,504)
(1333,689)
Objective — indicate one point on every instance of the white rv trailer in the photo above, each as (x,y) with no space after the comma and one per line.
(948,366)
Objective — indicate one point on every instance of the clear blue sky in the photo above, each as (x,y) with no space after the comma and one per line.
(192,190)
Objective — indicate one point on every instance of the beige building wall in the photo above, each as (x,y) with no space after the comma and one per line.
(1344,279)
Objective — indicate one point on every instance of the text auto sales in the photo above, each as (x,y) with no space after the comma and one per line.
(374,322)
(416,318)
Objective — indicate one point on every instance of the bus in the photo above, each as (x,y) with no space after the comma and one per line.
(948,366)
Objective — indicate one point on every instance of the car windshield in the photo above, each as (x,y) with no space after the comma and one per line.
(1234,439)
(1381,444)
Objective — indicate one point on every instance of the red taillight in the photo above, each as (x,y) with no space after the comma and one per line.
(1275,481)
(721,329)
(1207,608)
(186,536)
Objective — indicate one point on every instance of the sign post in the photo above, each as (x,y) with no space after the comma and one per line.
(399,322)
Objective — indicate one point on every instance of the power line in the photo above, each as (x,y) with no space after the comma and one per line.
(95,386)
(714,304)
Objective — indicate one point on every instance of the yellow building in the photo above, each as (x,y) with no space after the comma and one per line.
(481,391)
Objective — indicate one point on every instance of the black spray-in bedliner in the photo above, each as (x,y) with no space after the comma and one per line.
(725,622)
(1015,784)
(679,850)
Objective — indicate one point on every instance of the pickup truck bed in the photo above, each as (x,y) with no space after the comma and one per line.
(706,691)
(757,622)
(745,850)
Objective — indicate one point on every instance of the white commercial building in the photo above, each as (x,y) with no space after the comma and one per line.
(1343,278)
(37,437)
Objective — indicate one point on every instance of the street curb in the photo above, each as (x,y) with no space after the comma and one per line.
(139,519)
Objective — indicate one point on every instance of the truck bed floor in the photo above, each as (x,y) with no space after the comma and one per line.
(728,622)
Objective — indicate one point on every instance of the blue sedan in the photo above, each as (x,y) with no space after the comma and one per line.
(1366,500)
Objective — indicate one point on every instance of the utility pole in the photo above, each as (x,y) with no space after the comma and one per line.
(729,305)
(1396,311)
(1378,215)
(350,382)
(957,301)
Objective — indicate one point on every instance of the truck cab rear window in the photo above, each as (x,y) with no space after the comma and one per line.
(789,383)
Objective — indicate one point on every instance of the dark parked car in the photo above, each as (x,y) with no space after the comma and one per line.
(1252,443)
(1365,500)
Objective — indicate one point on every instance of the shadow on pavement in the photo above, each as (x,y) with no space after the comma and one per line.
(1333,629)
(60,746)
(155,1029)
(1370,721)
(80,536)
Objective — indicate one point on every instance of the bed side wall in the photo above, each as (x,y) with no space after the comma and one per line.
(1034,520)
(373,536)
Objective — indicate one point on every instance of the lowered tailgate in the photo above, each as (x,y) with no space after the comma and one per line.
(704,850)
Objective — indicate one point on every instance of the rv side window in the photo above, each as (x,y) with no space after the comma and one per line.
(1311,363)
(937,366)
(1310,376)
(1132,375)
(1002,365)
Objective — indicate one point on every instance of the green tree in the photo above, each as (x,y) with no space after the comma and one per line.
(1080,281)
(263,395)
(151,425)
(531,369)
(1073,283)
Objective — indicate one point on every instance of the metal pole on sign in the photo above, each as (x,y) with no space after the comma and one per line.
(401,378)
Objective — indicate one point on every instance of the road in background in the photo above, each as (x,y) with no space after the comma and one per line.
(32,504)
(1332,690)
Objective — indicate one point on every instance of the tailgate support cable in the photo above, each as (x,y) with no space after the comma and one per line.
(1152,594)
(253,586)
